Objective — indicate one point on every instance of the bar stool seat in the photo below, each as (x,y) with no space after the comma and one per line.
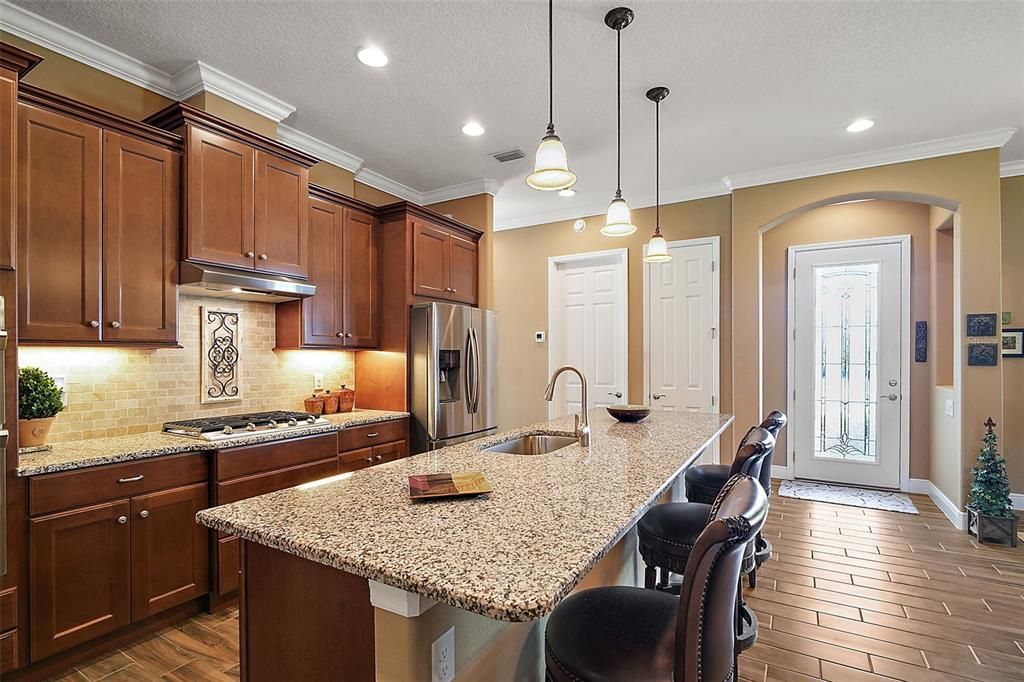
(612,633)
(705,481)
(667,533)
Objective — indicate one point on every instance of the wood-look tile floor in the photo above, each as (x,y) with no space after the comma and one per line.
(850,595)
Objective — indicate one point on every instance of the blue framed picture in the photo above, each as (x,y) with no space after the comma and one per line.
(920,341)
(982,354)
(981,324)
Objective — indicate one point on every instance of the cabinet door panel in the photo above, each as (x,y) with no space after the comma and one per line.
(59,174)
(170,551)
(359,280)
(8,164)
(322,319)
(463,277)
(220,200)
(389,452)
(80,568)
(282,216)
(430,256)
(354,460)
(140,241)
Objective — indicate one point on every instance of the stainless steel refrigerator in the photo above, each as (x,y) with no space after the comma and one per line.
(453,372)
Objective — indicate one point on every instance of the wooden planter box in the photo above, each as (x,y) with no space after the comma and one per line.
(1001,530)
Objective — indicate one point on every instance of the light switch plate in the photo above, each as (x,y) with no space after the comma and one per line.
(539,336)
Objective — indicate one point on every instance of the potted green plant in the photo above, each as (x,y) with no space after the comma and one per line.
(39,401)
(990,516)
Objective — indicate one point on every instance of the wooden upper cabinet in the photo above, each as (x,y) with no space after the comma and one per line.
(59,214)
(170,551)
(8,164)
(282,216)
(464,264)
(80,563)
(140,240)
(431,260)
(359,285)
(220,225)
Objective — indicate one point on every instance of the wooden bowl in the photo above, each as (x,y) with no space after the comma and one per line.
(629,413)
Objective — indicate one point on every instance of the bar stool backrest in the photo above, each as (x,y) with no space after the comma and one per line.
(705,623)
(755,448)
(773,423)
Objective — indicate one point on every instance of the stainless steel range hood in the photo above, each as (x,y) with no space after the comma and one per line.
(217,282)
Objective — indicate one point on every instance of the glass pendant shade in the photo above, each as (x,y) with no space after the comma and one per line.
(551,168)
(618,222)
(657,250)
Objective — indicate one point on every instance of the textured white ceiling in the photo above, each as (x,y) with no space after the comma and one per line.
(754,84)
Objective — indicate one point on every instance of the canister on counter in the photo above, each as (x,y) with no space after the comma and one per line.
(346,398)
(330,402)
(314,404)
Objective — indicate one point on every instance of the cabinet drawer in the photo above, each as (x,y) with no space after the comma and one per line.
(8,651)
(372,434)
(9,609)
(67,489)
(229,564)
(254,459)
(251,486)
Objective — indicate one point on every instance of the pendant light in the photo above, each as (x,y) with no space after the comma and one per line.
(657,249)
(551,167)
(618,222)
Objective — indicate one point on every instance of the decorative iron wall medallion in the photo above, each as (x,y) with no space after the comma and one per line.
(921,341)
(221,354)
(982,354)
(981,324)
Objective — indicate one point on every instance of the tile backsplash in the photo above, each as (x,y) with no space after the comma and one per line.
(115,391)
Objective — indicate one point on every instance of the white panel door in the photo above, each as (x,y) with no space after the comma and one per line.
(846,367)
(589,316)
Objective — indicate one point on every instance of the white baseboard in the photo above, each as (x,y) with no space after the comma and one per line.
(918,485)
(781,471)
(1018,501)
(957,517)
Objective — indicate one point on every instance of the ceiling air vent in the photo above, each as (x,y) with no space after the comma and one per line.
(510,155)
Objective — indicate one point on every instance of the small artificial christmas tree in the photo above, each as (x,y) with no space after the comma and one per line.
(990,489)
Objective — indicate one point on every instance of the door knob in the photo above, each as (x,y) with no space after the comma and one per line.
(250,254)
(891,396)
(144,513)
(617,394)
(115,324)
(658,396)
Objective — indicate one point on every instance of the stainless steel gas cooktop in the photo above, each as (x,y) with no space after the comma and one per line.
(234,425)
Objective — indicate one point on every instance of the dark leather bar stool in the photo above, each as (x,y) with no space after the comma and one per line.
(774,423)
(631,634)
(667,532)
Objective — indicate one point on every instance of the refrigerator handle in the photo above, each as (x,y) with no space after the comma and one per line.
(470,368)
(476,372)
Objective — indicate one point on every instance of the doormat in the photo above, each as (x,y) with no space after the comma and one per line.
(852,497)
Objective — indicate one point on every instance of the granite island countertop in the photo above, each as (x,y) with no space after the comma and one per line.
(512,554)
(97,451)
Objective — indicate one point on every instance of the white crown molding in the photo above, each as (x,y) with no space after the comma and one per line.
(386,184)
(880,157)
(200,76)
(318,148)
(1009,169)
(571,212)
(25,24)
(463,189)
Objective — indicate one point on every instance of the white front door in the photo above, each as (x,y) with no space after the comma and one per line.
(846,367)
(682,328)
(587,326)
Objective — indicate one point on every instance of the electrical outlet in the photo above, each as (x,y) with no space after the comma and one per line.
(318,381)
(949,407)
(539,337)
(63,386)
(442,657)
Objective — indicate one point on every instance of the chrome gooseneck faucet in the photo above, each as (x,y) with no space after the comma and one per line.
(582,422)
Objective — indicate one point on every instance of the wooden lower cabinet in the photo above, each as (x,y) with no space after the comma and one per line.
(170,551)
(80,563)
(366,446)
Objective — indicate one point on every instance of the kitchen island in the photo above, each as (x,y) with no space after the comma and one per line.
(346,578)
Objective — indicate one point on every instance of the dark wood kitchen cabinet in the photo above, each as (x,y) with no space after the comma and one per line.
(445,265)
(97,225)
(112,545)
(360,447)
(343,313)
(247,205)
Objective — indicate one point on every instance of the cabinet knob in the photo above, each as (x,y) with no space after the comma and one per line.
(340,335)
(455,291)
(122,519)
(250,254)
(380,457)
(94,323)
(144,513)
(348,335)
(448,289)
(263,256)
(115,324)
(370,459)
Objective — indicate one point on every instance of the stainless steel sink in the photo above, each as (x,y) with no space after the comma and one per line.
(533,444)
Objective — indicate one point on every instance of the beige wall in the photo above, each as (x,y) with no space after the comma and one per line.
(861,220)
(520,297)
(118,391)
(1012,193)
(967,182)
(229,111)
(372,195)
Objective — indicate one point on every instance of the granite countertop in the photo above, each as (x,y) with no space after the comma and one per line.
(96,451)
(510,555)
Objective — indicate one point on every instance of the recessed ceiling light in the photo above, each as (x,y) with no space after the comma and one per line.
(860,125)
(579,225)
(473,129)
(568,192)
(372,56)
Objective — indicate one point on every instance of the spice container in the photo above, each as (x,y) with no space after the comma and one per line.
(330,403)
(314,404)
(346,398)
